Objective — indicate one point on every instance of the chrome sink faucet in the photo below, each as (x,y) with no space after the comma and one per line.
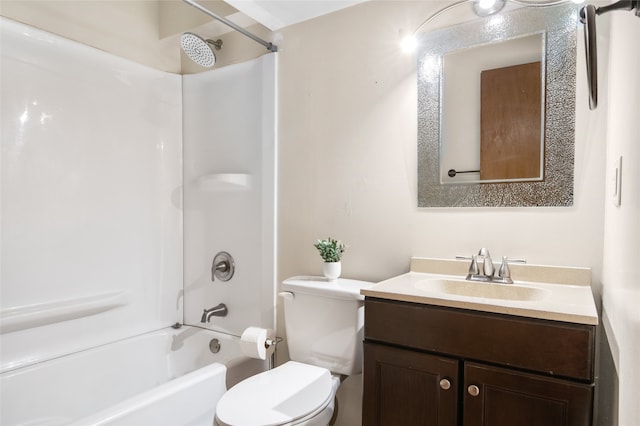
(486,272)
(219,310)
(483,273)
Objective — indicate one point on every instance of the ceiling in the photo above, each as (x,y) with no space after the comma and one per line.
(277,14)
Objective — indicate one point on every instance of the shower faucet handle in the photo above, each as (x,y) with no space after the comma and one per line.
(223,267)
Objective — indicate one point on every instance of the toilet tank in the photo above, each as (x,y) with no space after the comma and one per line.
(324,322)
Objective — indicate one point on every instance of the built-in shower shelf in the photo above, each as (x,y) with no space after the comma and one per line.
(224,182)
(36,315)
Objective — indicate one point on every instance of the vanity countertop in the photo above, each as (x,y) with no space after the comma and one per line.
(567,290)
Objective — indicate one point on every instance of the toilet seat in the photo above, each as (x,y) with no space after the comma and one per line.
(288,394)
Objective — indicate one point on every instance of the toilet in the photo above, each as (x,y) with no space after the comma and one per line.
(324,323)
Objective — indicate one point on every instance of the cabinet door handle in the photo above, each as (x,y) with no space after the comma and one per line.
(445,384)
(473,390)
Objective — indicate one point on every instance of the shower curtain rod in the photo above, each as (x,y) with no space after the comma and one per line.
(270,46)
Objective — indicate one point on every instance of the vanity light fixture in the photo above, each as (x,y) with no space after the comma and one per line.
(488,7)
(408,42)
(481,8)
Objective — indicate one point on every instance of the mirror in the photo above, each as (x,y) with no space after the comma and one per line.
(496,110)
(504,142)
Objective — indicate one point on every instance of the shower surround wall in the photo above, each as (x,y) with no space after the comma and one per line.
(91,207)
(92,190)
(229,192)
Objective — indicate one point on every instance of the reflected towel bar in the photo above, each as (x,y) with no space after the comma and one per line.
(454,172)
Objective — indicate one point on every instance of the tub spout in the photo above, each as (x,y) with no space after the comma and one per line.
(217,311)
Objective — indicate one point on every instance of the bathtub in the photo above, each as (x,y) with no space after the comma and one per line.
(168,377)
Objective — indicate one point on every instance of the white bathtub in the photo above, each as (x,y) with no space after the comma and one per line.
(168,377)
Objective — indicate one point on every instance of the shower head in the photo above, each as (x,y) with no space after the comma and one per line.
(200,50)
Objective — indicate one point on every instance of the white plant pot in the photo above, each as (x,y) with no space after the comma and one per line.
(332,270)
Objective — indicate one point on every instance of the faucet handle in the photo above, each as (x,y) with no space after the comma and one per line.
(504,274)
(473,267)
(504,271)
(223,267)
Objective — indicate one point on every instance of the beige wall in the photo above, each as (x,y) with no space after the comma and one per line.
(348,160)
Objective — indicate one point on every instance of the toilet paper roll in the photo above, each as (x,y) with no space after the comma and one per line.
(253,342)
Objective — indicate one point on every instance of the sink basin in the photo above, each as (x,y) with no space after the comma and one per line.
(482,290)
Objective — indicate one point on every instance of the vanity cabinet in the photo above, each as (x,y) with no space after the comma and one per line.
(404,387)
(432,365)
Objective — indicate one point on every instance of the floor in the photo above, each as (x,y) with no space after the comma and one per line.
(350,402)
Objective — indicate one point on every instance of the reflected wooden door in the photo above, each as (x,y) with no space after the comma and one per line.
(511,123)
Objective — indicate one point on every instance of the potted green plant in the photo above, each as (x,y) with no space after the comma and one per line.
(331,252)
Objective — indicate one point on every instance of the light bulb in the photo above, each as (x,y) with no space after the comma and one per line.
(488,7)
(408,43)
(486,4)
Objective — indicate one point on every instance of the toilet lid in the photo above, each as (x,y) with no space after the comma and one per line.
(274,397)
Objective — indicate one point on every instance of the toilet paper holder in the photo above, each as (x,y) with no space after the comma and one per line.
(272,342)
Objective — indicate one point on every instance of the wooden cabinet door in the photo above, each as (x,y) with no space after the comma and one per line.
(404,387)
(504,397)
